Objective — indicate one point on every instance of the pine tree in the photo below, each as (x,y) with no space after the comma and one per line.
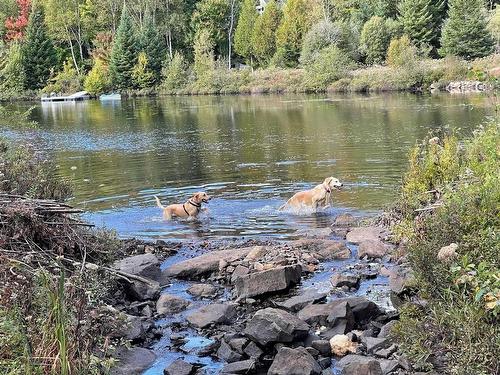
(264,33)
(465,31)
(12,75)
(38,54)
(154,46)
(244,30)
(418,18)
(375,39)
(124,53)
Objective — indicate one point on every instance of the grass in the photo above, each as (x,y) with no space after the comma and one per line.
(461,332)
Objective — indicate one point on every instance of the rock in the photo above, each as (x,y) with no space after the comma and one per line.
(144,265)
(386,353)
(227,354)
(256,252)
(238,272)
(388,366)
(241,367)
(202,290)
(359,365)
(344,220)
(135,330)
(324,249)
(212,314)
(358,235)
(132,361)
(290,361)
(168,304)
(372,249)
(322,346)
(179,367)
(252,350)
(448,253)
(238,344)
(339,280)
(341,313)
(316,233)
(205,264)
(298,302)
(386,329)
(340,345)
(325,363)
(271,281)
(363,309)
(274,325)
(375,343)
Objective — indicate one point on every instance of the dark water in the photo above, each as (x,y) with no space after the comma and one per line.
(250,153)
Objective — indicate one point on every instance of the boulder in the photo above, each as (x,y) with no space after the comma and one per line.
(290,361)
(339,280)
(386,329)
(226,353)
(359,365)
(341,345)
(322,346)
(256,252)
(238,344)
(238,272)
(142,290)
(136,328)
(363,309)
(358,235)
(341,315)
(179,367)
(265,282)
(212,314)
(298,302)
(375,343)
(132,361)
(144,265)
(324,249)
(252,350)
(205,264)
(241,367)
(168,304)
(372,249)
(274,325)
(202,290)
(344,220)
(389,366)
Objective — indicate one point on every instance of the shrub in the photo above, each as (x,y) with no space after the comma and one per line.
(175,73)
(142,76)
(330,65)
(494,27)
(67,81)
(375,40)
(401,52)
(98,80)
(12,75)
(320,36)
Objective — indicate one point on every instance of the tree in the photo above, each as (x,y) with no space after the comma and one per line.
(97,81)
(142,77)
(12,75)
(465,32)
(264,33)
(244,30)
(418,19)
(375,39)
(38,53)
(213,17)
(321,35)
(386,8)
(494,27)
(401,52)
(204,62)
(124,53)
(175,74)
(15,27)
(154,48)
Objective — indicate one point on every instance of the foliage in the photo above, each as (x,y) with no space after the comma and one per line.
(211,17)
(461,315)
(204,62)
(321,35)
(98,81)
(494,27)
(465,31)
(153,46)
(330,65)
(419,22)
(142,76)
(401,52)
(264,33)
(15,27)
(375,40)
(67,81)
(38,53)
(12,75)
(244,31)
(175,74)
(123,55)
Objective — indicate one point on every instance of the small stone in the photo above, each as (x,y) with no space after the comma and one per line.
(322,346)
(339,280)
(227,354)
(252,350)
(202,290)
(169,304)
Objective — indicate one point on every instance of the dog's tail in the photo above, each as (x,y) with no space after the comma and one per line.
(158,203)
(283,206)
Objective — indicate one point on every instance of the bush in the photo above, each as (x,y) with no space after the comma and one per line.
(67,81)
(12,75)
(330,65)
(98,80)
(175,73)
(142,76)
(375,40)
(320,36)
(401,52)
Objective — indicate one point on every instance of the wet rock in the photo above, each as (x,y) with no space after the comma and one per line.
(344,220)
(202,290)
(227,354)
(212,314)
(169,304)
(132,361)
(375,343)
(144,265)
(316,233)
(372,249)
(298,302)
(359,365)
(205,264)
(322,346)
(241,367)
(253,351)
(271,281)
(179,367)
(324,249)
(294,361)
(339,280)
(340,345)
(238,272)
(358,235)
(274,325)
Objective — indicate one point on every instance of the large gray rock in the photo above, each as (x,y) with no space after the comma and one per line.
(142,290)
(344,220)
(302,300)
(353,364)
(339,280)
(358,235)
(290,361)
(168,304)
(144,265)
(372,249)
(275,325)
(227,354)
(202,290)
(212,314)
(132,361)
(179,367)
(265,282)
(241,367)
(205,264)
(324,249)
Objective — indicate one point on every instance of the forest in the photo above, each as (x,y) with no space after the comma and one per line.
(233,46)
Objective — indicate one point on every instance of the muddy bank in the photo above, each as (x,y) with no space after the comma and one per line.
(321,304)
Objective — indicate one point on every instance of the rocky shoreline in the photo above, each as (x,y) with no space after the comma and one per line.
(259,308)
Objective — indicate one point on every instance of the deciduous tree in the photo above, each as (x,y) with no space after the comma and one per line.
(264,33)
(244,31)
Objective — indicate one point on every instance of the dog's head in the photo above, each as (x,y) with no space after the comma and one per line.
(331,183)
(201,197)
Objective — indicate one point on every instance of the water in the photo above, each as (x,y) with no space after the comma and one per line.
(250,153)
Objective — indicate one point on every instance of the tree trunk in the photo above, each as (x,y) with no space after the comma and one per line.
(231,25)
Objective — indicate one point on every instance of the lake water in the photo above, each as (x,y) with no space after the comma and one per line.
(249,152)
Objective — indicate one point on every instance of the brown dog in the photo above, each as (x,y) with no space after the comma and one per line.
(317,197)
(189,209)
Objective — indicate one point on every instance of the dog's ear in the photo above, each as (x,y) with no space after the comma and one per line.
(327,181)
(197,197)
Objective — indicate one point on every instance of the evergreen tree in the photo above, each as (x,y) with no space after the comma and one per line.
(38,53)
(465,31)
(244,30)
(124,53)
(418,18)
(375,39)
(154,46)
(12,75)
(264,33)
